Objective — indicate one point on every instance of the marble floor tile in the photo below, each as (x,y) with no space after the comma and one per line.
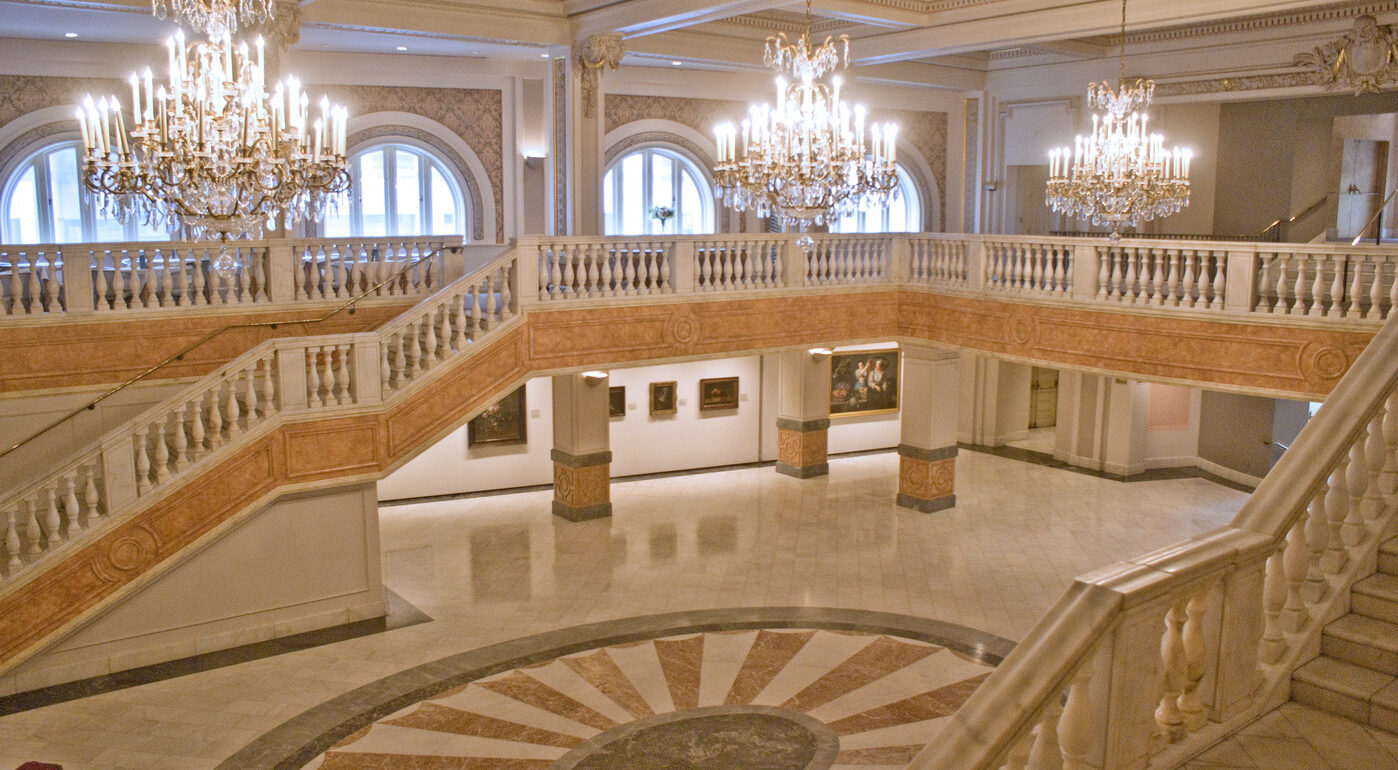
(496,568)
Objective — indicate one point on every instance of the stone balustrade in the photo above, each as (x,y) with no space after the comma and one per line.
(1147,662)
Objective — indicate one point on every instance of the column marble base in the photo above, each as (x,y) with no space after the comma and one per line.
(801,448)
(582,485)
(926,478)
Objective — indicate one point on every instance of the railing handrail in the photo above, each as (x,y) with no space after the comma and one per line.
(108,246)
(1315,204)
(1000,711)
(1378,215)
(187,349)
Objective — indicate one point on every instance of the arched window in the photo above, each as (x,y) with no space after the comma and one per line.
(397,189)
(903,215)
(45,201)
(652,179)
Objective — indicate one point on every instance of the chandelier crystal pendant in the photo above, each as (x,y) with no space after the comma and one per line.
(1120,174)
(808,160)
(214,153)
(214,17)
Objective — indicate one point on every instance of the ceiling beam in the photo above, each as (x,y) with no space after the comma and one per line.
(635,18)
(1077,49)
(1028,22)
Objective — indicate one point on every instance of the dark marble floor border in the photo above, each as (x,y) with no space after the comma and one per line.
(301,738)
(400,615)
(1155,474)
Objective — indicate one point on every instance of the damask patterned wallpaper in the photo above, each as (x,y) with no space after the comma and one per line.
(926,131)
(473,114)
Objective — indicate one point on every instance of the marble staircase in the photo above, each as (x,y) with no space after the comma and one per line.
(1356,674)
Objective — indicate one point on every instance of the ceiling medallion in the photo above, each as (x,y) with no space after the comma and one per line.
(213,153)
(1363,59)
(808,160)
(1120,174)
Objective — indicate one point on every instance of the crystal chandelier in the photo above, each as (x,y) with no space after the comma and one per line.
(806,161)
(214,17)
(214,153)
(1120,174)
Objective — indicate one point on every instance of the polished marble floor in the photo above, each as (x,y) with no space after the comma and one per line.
(1299,737)
(490,569)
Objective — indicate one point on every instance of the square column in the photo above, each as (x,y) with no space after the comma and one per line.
(927,445)
(803,414)
(582,457)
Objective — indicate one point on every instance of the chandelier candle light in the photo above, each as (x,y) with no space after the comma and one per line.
(214,152)
(809,159)
(1120,174)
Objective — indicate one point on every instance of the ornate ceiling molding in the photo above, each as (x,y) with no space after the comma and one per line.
(1231,84)
(1363,59)
(1263,21)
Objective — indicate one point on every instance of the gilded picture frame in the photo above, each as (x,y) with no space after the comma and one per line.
(864,382)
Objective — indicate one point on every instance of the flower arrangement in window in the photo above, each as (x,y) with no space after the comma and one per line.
(662,213)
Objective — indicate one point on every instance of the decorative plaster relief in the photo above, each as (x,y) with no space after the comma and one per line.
(598,53)
(1363,59)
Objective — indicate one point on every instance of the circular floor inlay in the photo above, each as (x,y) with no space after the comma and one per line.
(717,738)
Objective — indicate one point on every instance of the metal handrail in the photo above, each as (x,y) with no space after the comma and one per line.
(1378,215)
(349,304)
(1277,223)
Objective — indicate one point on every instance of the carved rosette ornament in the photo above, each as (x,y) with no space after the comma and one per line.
(1364,59)
(597,52)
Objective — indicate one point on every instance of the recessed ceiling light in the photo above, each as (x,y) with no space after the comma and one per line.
(543,55)
(402,48)
(70,34)
(676,63)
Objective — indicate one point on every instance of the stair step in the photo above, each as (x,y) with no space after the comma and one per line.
(1344,689)
(1363,641)
(1388,557)
(1376,597)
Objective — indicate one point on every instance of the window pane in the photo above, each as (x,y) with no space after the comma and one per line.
(444,217)
(408,183)
(662,191)
(22,220)
(898,215)
(633,204)
(372,194)
(691,205)
(64,195)
(337,217)
(610,225)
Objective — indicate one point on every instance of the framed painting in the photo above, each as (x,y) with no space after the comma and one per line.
(718,393)
(616,401)
(504,422)
(662,398)
(864,382)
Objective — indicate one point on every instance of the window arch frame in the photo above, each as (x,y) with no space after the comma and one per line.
(915,205)
(35,156)
(434,159)
(685,160)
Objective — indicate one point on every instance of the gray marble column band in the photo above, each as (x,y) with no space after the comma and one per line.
(587,513)
(803,426)
(804,471)
(926,455)
(300,739)
(925,506)
(580,461)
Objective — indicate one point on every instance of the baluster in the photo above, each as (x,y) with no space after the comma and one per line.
(326,375)
(1037,255)
(1273,599)
(1285,286)
(343,391)
(1356,478)
(1104,271)
(650,281)
(1338,301)
(385,368)
(232,410)
(178,442)
(1060,273)
(92,501)
(1392,293)
(1187,284)
(1303,303)
(70,503)
(1046,753)
(12,543)
(1158,292)
(31,527)
(269,386)
(1017,275)
(1195,658)
(142,462)
(1167,714)
(1336,509)
(726,270)
(1375,457)
(1172,277)
(196,429)
(1295,562)
(249,387)
(1075,728)
(1317,536)
(433,320)
(1220,280)
(556,274)
(1375,309)
(1265,285)
(1317,304)
(216,421)
(240,276)
(1018,756)
(52,523)
(1356,288)
(412,346)
(1389,479)
(575,283)
(589,264)
(507,304)
(201,292)
(313,378)
(1132,289)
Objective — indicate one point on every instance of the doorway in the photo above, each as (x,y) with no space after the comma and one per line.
(1043,411)
(1363,167)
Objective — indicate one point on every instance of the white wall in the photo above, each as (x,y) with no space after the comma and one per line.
(302,563)
(864,432)
(1172,426)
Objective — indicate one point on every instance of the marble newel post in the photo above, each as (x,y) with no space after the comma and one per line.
(578,133)
(927,446)
(582,457)
(803,414)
